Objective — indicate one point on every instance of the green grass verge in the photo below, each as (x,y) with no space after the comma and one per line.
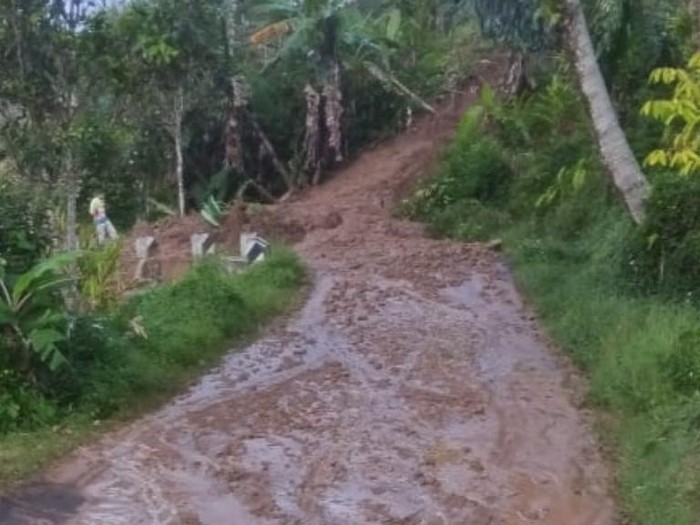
(643,379)
(115,377)
(625,344)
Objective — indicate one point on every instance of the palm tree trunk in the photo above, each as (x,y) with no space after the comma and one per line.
(179,109)
(615,150)
(72,190)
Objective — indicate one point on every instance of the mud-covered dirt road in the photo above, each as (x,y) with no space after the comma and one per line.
(412,388)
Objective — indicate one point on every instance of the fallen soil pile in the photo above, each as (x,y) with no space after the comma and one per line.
(172,253)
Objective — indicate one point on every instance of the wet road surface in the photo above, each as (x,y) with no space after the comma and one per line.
(414,387)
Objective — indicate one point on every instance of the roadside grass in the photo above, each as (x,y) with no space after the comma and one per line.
(623,343)
(189,325)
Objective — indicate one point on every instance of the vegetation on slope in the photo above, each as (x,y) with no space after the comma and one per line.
(122,362)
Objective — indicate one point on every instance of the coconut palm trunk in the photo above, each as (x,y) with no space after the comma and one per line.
(615,150)
(178,113)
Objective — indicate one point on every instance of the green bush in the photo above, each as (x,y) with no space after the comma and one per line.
(184,320)
(99,376)
(467,220)
(24,238)
(473,177)
(477,169)
(22,407)
(187,323)
(664,253)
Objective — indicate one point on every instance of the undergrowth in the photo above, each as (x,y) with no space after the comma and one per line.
(147,350)
(619,299)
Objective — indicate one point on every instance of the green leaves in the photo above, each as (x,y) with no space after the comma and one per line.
(43,341)
(157,51)
(43,277)
(393,25)
(31,311)
(569,180)
(680,115)
(212,211)
(99,285)
(519,23)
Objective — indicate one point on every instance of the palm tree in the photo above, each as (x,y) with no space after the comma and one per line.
(520,22)
(311,28)
(615,150)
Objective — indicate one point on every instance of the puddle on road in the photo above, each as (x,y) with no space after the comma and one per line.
(58,504)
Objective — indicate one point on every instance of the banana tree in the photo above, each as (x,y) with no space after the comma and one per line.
(311,27)
(32,317)
(333,36)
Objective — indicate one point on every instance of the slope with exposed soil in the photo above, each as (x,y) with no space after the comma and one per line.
(414,387)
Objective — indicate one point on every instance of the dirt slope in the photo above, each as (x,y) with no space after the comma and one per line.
(413,388)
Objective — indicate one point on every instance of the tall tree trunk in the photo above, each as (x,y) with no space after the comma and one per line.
(312,137)
(72,190)
(179,109)
(333,100)
(233,157)
(615,150)
(71,187)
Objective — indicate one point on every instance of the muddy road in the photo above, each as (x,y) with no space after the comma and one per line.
(413,387)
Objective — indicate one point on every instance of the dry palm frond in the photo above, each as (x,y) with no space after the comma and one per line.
(391,82)
(270,32)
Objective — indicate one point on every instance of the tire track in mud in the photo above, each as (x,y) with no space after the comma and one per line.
(413,388)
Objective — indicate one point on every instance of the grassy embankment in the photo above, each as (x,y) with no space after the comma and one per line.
(114,377)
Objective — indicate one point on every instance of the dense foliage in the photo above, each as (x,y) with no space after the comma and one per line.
(178,101)
(114,362)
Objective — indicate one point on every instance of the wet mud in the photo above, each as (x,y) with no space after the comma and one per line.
(413,388)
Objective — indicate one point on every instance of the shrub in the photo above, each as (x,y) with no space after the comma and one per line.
(664,252)
(187,323)
(98,352)
(468,220)
(22,407)
(99,283)
(24,239)
(473,170)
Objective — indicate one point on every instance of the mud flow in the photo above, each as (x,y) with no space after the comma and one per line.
(412,388)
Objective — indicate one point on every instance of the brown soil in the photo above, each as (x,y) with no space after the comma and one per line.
(413,388)
(173,251)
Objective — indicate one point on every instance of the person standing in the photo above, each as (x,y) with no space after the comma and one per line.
(103,226)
